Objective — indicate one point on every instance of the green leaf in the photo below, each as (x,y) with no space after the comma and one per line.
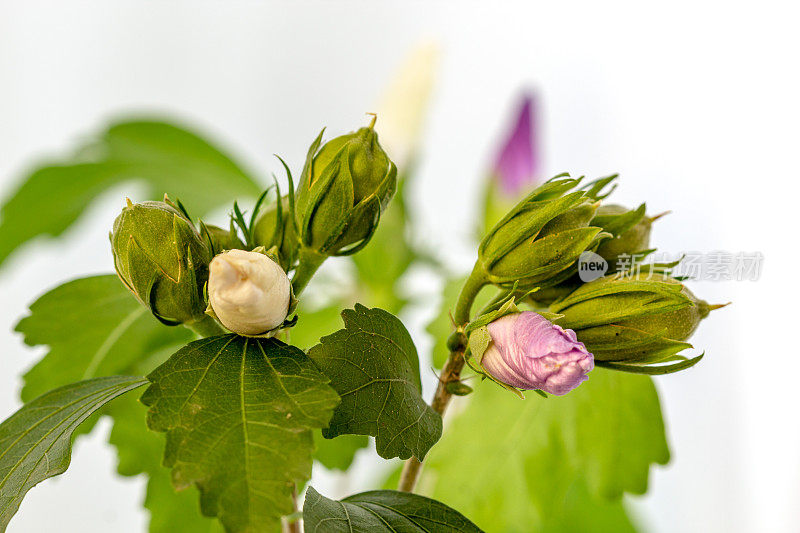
(580,511)
(165,157)
(140,451)
(35,442)
(525,456)
(94,327)
(338,453)
(381,510)
(239,414)
(373,365)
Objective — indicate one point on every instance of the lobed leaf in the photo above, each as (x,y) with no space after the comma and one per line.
(373,365)
(525,457)
(94,327)
(141,451)
(239,413)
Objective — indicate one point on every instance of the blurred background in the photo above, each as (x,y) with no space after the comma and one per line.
(694,104)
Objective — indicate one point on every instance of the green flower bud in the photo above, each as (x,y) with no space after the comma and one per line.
(219,239)
(162,259)
(270,232)
(344,188)
(635,320)
(630,230)
(538,242)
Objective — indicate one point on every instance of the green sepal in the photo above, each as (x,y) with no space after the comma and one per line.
(218,240)
(651,370)
(595,189)
(618,222)
(615,298)
(459,388)
(634,321)
(540,263)
(541,238)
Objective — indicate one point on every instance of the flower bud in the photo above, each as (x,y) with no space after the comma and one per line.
(248,292)
(527,351)
(221,239)
(638,319)
(541,238)
(273,229)
(630,230)
(344,188)
(161,258)
(516,167)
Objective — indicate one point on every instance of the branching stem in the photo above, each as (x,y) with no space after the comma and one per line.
(452,369)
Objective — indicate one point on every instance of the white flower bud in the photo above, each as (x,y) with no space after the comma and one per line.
(248,291)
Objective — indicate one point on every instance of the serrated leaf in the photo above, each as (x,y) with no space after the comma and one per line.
(606,434)
(238,413)
(373,365)
(141,451)
(382,511)
(94,327)
(35,442)
(165,157)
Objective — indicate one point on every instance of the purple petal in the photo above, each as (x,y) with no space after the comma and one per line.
(530,352)
(494,363)
(517,163)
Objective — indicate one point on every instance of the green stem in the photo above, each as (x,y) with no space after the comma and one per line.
(474,284)
(310,261)
(452,368)
(206,327)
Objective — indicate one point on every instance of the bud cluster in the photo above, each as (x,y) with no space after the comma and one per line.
(631,322)
(238,276)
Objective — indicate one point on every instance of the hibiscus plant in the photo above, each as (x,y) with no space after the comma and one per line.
(228,367)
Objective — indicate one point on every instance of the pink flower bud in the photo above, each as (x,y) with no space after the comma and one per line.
(530,352)
(517,163)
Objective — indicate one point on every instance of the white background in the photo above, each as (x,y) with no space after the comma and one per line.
(694,103)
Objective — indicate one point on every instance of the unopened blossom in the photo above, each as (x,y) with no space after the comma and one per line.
(517,163)
(528,351)
(405,102)
(248,291)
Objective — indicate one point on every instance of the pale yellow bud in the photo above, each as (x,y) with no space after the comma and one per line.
(248,291)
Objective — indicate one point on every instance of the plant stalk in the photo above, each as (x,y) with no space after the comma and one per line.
(473,285)
(291,524)
(452,369)
(309,263)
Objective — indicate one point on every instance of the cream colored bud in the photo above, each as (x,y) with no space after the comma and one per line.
(248,291)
